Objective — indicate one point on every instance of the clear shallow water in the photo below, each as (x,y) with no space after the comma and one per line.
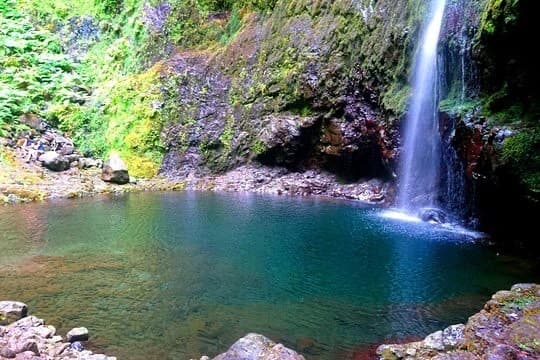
(174,276)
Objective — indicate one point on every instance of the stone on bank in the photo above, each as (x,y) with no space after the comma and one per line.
(258,347)
(54,161)
(115,170)
(11,311)
(77,334)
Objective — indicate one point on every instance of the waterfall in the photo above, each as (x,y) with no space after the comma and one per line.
(463,55)
(419,173)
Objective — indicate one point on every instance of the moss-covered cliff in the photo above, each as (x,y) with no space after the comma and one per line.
(301,84)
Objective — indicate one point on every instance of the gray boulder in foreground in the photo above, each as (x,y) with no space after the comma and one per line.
(11,311)
(258,347)
(115,170)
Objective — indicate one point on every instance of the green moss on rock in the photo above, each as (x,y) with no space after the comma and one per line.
(522,153)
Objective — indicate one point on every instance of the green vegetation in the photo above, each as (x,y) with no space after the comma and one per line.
(215,5)
(113,89)
(234,24)
(455,106)
(134,35)
(111,100)
(519,303)
(43,80)
(129,123)
(497,15)
(35,74)
(105,105)
(532,346)
(522,153)
(258,147)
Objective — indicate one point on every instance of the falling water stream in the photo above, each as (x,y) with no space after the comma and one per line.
(419,173)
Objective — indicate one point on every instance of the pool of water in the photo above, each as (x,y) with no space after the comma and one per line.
(177,275)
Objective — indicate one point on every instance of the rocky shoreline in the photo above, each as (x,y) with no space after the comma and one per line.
(508,327)
(263,179)
(43,163)
(24,181)
(25,337)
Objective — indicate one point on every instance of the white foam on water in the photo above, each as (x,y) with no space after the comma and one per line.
(454,228)
(400,215)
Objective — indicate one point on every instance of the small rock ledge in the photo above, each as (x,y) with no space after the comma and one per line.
(508,327)
(25,337)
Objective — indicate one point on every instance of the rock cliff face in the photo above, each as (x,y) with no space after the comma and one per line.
(489,116)
(308,85)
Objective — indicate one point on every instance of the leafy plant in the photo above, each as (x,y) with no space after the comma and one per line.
(522,153)
(35,74)
(233,25)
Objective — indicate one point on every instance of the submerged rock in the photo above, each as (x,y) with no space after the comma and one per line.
(507,328)
(11,311)
(258,347)
(115,170)
(432,215)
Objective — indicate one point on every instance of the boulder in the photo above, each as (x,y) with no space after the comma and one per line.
(12,311)
(67,150)
(453,336)
(77,334)
(257,347)
(54,161)
(30,339)
(28,346)
(432,215)
(73,157)
(115,170)
(7,353)
(45,331)
(434,341)
(34,121)
(85,163)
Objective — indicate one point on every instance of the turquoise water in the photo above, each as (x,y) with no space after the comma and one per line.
(177,275)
